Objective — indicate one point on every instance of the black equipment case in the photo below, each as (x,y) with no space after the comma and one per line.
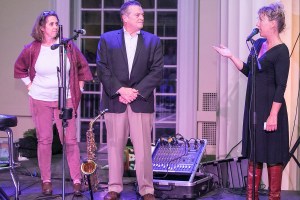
(175,165)
(182,189)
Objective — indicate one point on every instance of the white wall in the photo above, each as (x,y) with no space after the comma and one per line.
(17,19)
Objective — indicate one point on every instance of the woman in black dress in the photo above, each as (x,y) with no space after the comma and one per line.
(272,138)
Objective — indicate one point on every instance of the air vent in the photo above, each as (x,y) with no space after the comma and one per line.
(209,132)
(209,102)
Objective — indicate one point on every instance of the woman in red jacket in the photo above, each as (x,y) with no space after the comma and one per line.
(37,67)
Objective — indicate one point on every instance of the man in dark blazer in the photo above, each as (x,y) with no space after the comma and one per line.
(130,63)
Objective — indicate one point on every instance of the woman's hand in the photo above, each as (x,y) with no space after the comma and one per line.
(28,86)
(224,51)
(271,124)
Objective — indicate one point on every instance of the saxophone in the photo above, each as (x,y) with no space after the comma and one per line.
(89,166)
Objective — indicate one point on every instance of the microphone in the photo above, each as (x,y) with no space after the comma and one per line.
(60,32)
(258,65)
(54,46)
(254,32)
(80,31)
(65,41)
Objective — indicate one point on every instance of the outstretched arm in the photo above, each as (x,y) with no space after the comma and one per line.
(224,51)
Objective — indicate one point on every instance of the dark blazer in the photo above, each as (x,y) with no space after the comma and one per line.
(146,73)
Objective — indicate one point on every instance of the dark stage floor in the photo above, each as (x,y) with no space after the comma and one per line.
(30,184)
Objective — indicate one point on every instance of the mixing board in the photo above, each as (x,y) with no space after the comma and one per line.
(178,156)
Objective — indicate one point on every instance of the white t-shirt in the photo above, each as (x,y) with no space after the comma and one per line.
(45,83)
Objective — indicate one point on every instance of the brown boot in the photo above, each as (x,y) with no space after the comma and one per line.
(112,196)
(258,172)
(47,188)
(275,177)
(77,189)
(148,197)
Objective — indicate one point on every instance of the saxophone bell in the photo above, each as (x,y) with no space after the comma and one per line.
(88,167)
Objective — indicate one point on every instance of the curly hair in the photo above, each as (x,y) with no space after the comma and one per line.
(274,11)
(41,21)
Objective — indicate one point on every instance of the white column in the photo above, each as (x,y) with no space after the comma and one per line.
(187,67)
(63,10)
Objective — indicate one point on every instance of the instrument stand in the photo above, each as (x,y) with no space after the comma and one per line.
(3,195)
(296,145)
(90,186)
(294,148)
(291,155)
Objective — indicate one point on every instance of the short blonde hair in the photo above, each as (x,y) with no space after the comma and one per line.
(274,11)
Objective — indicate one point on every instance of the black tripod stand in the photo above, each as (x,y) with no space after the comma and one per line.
(291,155)
(3,195)
(294,148)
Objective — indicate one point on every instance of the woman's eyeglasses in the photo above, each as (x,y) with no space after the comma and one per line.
(46,14)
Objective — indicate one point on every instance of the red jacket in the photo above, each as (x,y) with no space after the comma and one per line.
(79,71)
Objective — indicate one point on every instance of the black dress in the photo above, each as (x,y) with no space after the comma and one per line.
(271,147)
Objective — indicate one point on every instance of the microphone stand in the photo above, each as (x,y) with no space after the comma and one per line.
(254,60)
(66,113)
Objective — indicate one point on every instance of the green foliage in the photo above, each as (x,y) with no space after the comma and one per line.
(30,133)
(207,158)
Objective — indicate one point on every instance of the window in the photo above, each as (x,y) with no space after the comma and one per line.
(99,16)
